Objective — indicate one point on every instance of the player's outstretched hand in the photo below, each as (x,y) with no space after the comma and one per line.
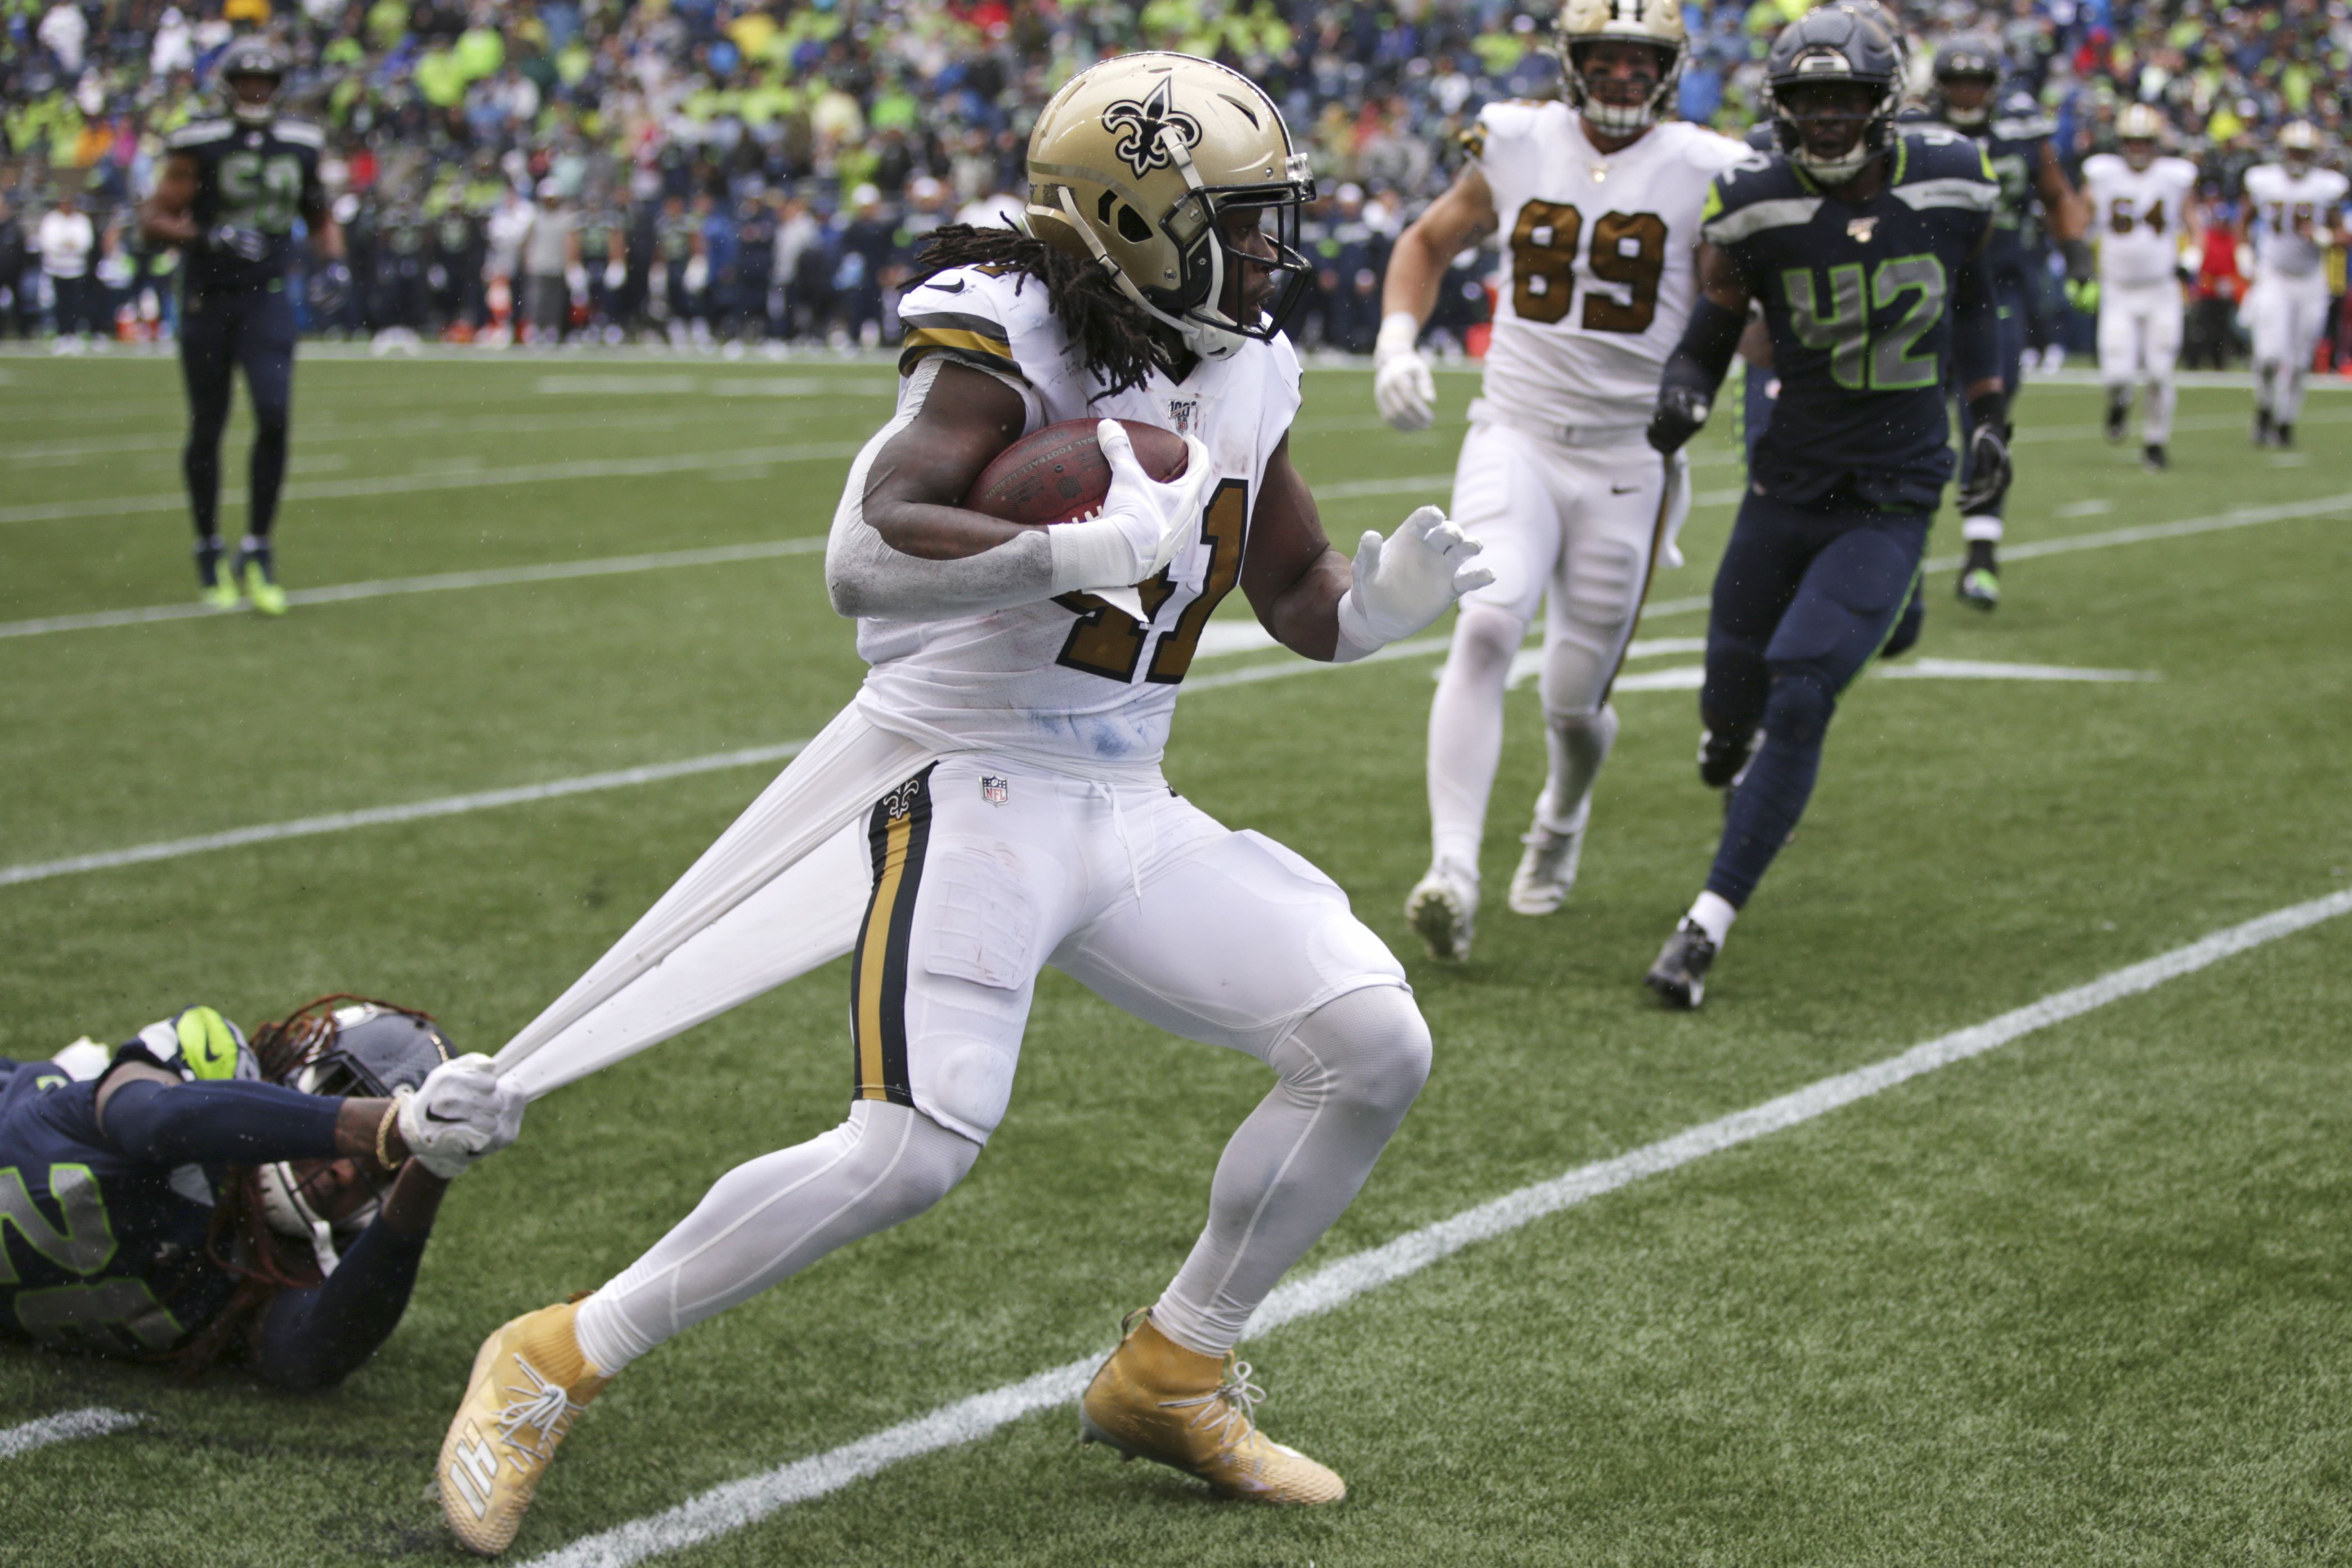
(2083,293)
(1402,389)
(1402,582)
(1680,414)
(330,288)
(463,1112)
(1155,517)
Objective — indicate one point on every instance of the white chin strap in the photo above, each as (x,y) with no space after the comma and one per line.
(245,113)
(1620,119)
(1837,170)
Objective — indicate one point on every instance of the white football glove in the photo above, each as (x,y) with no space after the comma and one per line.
(463,1112)
(1142,525)
(1404,583)
(1402,389)
(616,275)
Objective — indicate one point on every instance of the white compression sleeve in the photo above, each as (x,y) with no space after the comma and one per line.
(1349,1071)
(1466,732)
(766,1220)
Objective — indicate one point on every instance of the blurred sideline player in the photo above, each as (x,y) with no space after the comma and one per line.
(2144,212)
(2294,211)
(1003,757)
(1600,203)
(2019,144)
(1868,250)
(230,191)
(196,1199)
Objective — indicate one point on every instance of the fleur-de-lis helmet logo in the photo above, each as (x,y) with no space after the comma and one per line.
(1139,126)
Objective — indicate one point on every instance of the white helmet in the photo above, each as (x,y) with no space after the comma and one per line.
(1133,164)
(1657,23)
(2299,144)
(2139,130)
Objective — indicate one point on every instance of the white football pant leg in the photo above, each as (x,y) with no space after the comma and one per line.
(1503,498)
(2165,315)
(2119,340)
(2305,308)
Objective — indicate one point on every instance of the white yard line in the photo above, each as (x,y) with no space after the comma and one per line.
(1528,663)
(65,1426)
(737,1505)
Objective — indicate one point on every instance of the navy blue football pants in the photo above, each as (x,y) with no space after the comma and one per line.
(2009,291)
(1804,597)
(219,333)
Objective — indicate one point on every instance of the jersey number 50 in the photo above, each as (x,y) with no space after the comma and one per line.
(1628,249)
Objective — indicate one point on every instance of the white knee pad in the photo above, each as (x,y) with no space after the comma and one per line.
(1486,640)
(1369,1050)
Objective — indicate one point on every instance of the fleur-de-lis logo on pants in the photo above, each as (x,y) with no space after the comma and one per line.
(1139,126)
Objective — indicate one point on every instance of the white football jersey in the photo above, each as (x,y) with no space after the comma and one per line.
(1072,681)
(1597,280)
(2136,215)
(2278,204)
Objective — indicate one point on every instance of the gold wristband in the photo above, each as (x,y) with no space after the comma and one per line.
(383,1137)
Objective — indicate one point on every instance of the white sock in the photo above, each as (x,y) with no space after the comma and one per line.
(1349,1074)
(766,1220)
(1981,527)
(1714,914)
(1577,746)
(1466,732)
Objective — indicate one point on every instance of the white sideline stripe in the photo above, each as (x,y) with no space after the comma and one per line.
(1528,663)
(473,479)
(415,811)
(490,577)
(94,1421)
(726,1509)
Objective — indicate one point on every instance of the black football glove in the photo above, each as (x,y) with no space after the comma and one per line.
(249,243)
(1989,469)
(330,288)
(1680,414)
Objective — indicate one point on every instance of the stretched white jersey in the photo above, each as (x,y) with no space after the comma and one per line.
(2137,215)
(2287,211)
(1598,279)
(1072,681)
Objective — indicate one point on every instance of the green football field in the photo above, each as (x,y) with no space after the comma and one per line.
(2078,1298)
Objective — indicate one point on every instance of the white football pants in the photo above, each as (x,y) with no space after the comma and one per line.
(1578,531)
(982,870)
(2140,340)
(2286,316)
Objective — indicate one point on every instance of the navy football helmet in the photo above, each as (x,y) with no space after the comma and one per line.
(1963,62)
(1832,83)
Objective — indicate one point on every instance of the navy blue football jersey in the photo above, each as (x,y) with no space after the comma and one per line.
(97,1251)
(257,177)
(1858,299)
(2012,140)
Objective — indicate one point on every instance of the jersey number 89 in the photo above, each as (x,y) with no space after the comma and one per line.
(1628,249)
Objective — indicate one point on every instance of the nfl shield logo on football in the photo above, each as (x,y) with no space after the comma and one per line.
(1182,413)
(994,790)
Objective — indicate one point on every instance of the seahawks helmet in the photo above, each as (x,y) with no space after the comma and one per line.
(2298,143)
(341,1047)
(1834,48)
(250,57)
(1135,164)
(1969,58)
(1584,23)
(2139,133)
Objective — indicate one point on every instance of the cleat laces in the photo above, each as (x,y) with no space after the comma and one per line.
(1229,1411)
(543,1406)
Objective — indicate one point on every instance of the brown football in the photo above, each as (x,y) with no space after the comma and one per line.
(1059,474)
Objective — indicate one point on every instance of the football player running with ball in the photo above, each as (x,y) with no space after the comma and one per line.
(1867,250)
(1599,204)
(2144,211)
(231,189)
(2294,211)
(993,801)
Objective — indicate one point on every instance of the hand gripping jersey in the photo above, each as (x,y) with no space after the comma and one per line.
(2136,215)
(1072,682)
(2287,211)
(2012,140)
(1597,277)
(253,177)
(1858,299)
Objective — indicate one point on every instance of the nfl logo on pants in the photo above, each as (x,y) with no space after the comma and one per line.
(994,790)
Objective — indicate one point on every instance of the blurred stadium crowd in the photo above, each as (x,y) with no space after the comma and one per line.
(747,171)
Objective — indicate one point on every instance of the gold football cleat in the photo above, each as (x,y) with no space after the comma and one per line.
(530,1381)
(1153,1399)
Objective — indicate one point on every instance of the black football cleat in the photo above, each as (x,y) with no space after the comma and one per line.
(2153,457)
(1679,977)
(2282,436)
(1722,759)
(2119,411)
(2263,426)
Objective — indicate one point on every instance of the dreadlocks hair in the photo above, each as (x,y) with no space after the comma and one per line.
(1118,343)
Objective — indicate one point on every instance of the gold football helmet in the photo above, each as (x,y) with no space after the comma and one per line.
(2139,132)
(1137,164)
(2298,143)
(1584,23)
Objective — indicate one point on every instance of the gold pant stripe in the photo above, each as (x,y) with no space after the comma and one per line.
(897,835)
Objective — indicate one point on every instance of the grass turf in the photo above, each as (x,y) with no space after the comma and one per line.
(2077,1302)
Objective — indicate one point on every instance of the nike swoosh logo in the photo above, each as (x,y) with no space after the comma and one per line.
(954,288)
(1622,490)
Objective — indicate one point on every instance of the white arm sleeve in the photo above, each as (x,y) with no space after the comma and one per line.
(866,578)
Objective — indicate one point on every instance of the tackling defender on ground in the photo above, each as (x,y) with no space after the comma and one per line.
(1868,251)
(231,189)
(2294,211)
(2144,212)
(1600,205)
(994,800)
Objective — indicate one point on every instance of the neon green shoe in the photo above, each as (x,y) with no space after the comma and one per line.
(260,583)
(216,582)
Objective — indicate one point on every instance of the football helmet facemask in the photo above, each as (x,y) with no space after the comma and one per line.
(1967,61)
(1153,166)
(256,60)
(1833,84)
(1615,106)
